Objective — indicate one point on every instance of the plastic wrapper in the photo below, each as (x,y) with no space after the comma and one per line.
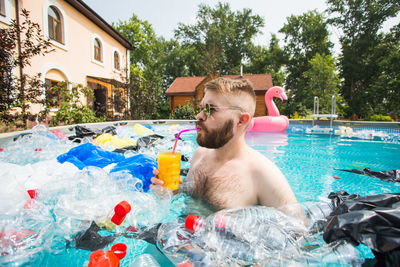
(392,176)
(139,166)
(89,155)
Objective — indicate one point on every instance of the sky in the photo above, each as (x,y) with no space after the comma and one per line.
(164,15)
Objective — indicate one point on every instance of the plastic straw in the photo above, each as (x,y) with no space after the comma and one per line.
(177,137)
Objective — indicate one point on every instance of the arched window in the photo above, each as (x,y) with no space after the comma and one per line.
(2,8)
(55,24)
(54,93)
(97,50)
(116,61)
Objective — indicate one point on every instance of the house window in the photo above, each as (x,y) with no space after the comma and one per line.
(97,50)
(53,96)
(2,8)
(55,25)
(116,61)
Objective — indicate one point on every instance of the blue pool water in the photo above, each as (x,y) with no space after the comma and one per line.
(309,162)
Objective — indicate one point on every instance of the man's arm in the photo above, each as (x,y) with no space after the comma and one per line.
(275,191)
(273,188)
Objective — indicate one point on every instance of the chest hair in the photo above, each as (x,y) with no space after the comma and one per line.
(219,191)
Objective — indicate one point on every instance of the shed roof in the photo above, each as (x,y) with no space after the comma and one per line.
(184,85)
(187,85)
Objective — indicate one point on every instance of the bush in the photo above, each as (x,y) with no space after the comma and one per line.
(380,117)
(72,111)
(185,112)
(296,116)
(162,112)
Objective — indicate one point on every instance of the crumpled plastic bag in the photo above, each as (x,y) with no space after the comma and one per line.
(371,220)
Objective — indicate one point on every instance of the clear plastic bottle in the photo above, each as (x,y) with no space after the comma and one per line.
(144,260)
(248,234)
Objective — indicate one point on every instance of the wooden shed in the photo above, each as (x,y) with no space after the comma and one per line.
(190,90)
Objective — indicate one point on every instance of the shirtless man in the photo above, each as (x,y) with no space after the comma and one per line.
(224,170)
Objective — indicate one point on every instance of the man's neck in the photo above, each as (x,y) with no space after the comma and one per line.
(232,149)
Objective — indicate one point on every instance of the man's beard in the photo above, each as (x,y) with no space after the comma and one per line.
(215,138)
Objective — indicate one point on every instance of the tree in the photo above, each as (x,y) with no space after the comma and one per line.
(386,86)
(305,36)
(147,68)
(19,43)
(323,82)
(220,37)
(268,60)
(360,21)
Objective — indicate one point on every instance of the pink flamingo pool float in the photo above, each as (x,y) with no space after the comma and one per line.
(274,122)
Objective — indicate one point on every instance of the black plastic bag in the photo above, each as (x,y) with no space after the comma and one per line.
(371,220)
(387,176)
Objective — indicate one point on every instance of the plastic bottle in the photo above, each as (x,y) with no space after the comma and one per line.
(120,212)
(109,258)
(144,260)
(248,234)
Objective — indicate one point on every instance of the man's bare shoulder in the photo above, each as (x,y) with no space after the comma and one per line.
(259,163)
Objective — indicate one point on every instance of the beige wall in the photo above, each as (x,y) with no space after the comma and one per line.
(74,59)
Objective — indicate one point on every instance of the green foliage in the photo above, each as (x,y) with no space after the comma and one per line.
(163,111)
(72,111)
(268,60)
(221,38)
(305,36)
(322,81)
(18,93)
(367,81)
(144,97)
(380,117)
(368,57)
(147,80)
(185,112)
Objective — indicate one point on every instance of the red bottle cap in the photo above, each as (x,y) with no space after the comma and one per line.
(119,250)
(122,208)
(33,193)
(101,258)
(1,149)
(185,264)
(117,219)
(191,222)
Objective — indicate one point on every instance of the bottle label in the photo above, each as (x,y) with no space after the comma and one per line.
(220,220)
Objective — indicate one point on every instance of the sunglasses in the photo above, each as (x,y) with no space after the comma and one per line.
(209,109)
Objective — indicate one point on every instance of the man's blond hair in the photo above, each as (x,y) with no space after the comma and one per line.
(234,87)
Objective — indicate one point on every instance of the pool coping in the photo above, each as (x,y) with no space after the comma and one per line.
(68,129)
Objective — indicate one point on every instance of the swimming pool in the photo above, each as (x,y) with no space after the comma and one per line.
(72,197)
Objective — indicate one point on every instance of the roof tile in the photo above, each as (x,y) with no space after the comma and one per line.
(187,85)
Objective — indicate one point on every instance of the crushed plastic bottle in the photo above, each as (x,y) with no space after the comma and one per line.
(248,232)
(144,260)
(254,235)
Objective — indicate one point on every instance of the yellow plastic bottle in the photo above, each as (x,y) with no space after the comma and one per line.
(169,166)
